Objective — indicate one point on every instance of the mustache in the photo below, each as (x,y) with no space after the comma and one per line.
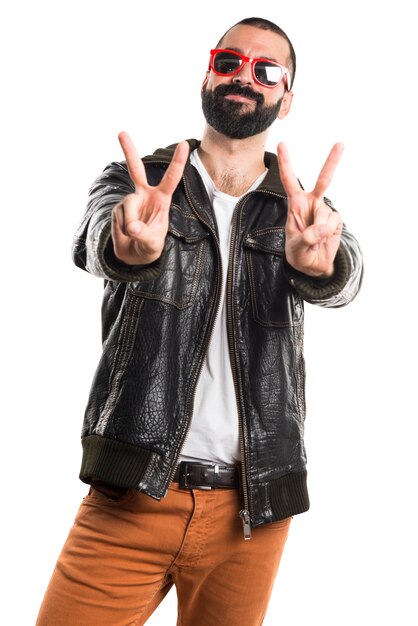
(238,90)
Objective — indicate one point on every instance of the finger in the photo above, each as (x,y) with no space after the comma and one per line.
(322,214)
(293,218)
(334,223)
(118,218)
(174,172)
(328,170)
(128,224)
(132,215)
(136,168)
(313,235)
(121,240)
(287,175)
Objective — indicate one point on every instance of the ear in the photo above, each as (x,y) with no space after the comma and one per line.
(286,104)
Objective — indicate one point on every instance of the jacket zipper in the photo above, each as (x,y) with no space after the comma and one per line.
(243,431)
(244,514)
(243,435)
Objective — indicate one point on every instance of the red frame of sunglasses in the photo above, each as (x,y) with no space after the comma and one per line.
(252,62)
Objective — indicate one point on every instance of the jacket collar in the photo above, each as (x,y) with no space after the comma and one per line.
(271,183)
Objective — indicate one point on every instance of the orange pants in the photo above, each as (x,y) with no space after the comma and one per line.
(123,556)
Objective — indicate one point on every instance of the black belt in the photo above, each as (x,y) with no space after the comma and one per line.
(200,476)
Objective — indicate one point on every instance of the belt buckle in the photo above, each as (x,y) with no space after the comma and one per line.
(183,474)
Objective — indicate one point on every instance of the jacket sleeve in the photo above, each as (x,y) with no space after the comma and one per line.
(343,286)
(92,248)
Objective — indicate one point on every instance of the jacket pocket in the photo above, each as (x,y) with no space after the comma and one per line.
(184,256)
(274,303)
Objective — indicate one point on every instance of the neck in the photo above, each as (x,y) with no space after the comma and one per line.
(233,164)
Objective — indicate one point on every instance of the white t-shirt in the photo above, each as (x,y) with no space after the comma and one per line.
(213,436)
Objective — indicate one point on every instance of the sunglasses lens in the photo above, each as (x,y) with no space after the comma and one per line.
(226,63)
(267,73)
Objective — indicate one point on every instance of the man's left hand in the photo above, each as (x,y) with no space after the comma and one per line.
(313,230)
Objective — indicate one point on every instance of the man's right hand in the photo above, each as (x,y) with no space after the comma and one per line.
(140,220)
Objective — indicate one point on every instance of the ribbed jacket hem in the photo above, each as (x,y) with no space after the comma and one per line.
(118,463)
(124,465)
(289,495)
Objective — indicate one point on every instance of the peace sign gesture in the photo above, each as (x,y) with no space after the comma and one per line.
(140,220)
(313,230)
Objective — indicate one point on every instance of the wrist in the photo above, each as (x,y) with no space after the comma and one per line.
(328,273)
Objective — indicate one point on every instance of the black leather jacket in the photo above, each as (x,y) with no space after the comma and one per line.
(157,323)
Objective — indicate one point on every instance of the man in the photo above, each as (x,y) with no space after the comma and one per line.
(193,433)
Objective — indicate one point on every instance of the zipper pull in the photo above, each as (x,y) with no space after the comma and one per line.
(246,524)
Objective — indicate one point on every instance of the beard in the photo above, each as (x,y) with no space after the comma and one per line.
(230,118)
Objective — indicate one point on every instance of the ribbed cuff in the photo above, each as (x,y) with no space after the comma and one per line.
(289,495)
(119,271)
(317,289)
(115,462)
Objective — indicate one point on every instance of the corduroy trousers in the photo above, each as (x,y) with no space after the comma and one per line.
(123,555)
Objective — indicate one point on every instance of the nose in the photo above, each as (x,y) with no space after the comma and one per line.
(244,75)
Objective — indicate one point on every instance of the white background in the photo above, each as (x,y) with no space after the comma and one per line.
(76,73)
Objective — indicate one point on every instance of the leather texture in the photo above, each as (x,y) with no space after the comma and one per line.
(157,323)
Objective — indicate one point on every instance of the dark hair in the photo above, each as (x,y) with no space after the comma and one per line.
(260,22)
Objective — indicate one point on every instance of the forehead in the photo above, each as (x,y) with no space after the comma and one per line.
(256,42)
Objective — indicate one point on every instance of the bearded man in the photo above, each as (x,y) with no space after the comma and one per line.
(193,433)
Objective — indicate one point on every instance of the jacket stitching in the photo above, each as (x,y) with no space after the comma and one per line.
(123,353)
(254,301)
(194,283)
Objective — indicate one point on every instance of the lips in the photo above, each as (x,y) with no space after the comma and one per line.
(238,93)
(237,98)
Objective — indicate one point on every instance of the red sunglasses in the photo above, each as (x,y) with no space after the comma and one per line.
(265,72)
